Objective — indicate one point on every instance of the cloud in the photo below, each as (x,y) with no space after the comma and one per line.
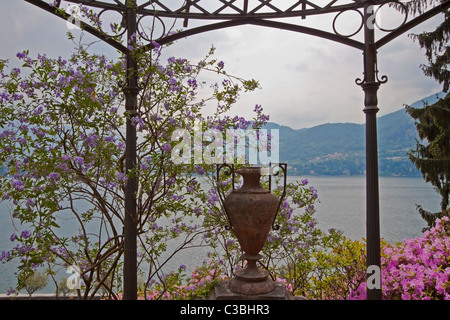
(25,26)
(305,80)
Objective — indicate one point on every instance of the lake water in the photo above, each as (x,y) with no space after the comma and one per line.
(342,206)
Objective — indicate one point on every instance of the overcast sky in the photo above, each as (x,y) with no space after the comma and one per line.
(306,81)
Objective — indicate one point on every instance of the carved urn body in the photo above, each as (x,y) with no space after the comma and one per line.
(251,211)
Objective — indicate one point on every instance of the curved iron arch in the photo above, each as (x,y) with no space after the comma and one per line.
(258,22)
(88,28)
(243,16)
(413,23)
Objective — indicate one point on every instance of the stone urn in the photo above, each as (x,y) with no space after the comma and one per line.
(251,211)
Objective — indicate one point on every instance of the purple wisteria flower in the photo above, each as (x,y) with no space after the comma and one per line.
(212,197)
(78,160)
(172,81)
(4,256)
(18,185)
(21,55)
(166,147)
(156,44)
(54,176)
(30,203)
(171,181)
(25,234)
(193,83)
(38,110)
(121,177)
(313,191)
(199,170)
(91,141)
(10,291)
(138,123)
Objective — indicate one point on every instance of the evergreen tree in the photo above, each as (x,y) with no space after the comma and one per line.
(433,158)
(435,43)
(432,121)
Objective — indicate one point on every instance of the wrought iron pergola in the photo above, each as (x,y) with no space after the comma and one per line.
(289,15)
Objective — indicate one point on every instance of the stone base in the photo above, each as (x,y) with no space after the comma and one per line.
(241,285)
(223,292)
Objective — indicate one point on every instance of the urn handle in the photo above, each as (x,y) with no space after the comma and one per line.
(229,170)
(274,170)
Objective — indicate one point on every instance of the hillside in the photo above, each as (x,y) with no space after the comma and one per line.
(339,148)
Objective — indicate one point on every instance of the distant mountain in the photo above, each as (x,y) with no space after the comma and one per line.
(339,148)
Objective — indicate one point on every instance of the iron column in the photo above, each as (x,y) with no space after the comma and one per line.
(370,86)
(130,221)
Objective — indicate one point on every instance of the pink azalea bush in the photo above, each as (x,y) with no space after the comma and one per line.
(417,269)
(174,286)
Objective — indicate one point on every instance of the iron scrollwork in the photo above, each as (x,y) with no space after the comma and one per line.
(170,18)
(274,172)
(229,171)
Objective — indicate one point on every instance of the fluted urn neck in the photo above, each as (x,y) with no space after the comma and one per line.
(252,176)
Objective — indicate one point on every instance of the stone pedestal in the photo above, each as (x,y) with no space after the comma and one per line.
(223,292)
